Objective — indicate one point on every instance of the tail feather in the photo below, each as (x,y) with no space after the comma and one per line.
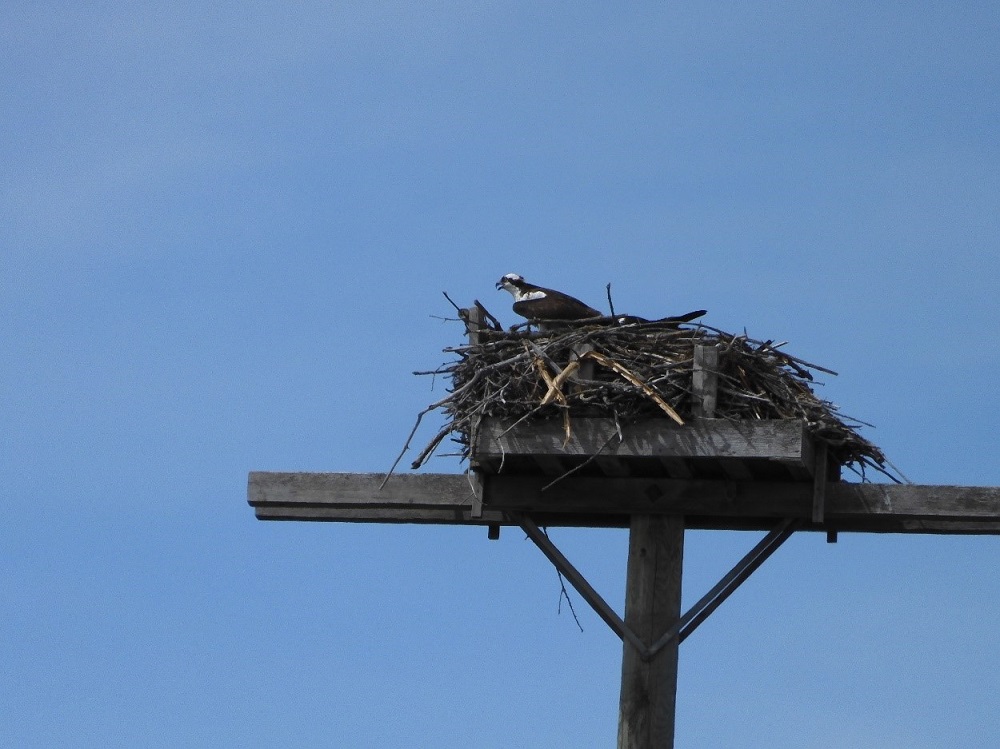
(673,319)
(685,318)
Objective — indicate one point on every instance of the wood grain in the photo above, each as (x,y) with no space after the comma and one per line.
(608,501)
(652,606)
(773,439)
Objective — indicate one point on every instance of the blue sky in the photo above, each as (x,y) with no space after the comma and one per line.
(225,232)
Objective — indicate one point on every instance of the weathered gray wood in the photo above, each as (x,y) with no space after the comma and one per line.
(612,466)
(819,483)
(430,490)
(586,370)
(473,317)
(705,380)
(709,497)
(784,440)
(736,469)
(676,467)
(409,514)
(652,606)
(726,586)
(550,464)
(473,327)
(590,501)
(578,581)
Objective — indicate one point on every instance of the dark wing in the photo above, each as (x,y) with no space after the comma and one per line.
(555,306)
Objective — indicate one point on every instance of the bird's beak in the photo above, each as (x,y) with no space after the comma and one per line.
(499,284)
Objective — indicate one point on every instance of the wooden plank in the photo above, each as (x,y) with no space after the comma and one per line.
(550,464)
(612,466)
(442,498)
(606,501)
(423,516)
(586,370)
(705,380)
(736,469)
(676,468)
(819,483)
(652,606)
(474,323)
(409,514)
(783,440)
(914,501)
(849,525)
(462,516)
(776,499)
(353,489)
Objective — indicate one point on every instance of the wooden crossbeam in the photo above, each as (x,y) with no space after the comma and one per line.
(819,483)
(443,498)
(608,502)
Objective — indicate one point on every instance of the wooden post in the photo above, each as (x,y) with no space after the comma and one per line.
(474,323)
(705,380)
(652,606)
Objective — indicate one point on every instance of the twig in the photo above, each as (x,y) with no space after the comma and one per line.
(576,468)
(493,322)
(406,446)
(563,593)
(514,375)
(657,398)
(431,447)
(452,302)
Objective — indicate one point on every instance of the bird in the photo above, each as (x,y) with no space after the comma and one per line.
(538,303)
(673,320)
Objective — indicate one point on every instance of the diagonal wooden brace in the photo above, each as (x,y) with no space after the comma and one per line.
(693,617)
(725,587)
(578,581)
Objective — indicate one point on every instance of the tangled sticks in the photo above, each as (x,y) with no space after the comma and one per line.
(631,371)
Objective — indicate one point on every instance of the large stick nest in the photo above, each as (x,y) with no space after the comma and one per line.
(632,371)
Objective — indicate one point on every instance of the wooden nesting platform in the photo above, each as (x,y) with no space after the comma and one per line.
(718,473)
(640,399)
(765,450)
(696,455)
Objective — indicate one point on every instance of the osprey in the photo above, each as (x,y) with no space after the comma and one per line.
(539,303)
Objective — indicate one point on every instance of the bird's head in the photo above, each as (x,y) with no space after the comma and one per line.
(510,282)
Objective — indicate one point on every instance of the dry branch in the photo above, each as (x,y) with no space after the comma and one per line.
(645,372)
